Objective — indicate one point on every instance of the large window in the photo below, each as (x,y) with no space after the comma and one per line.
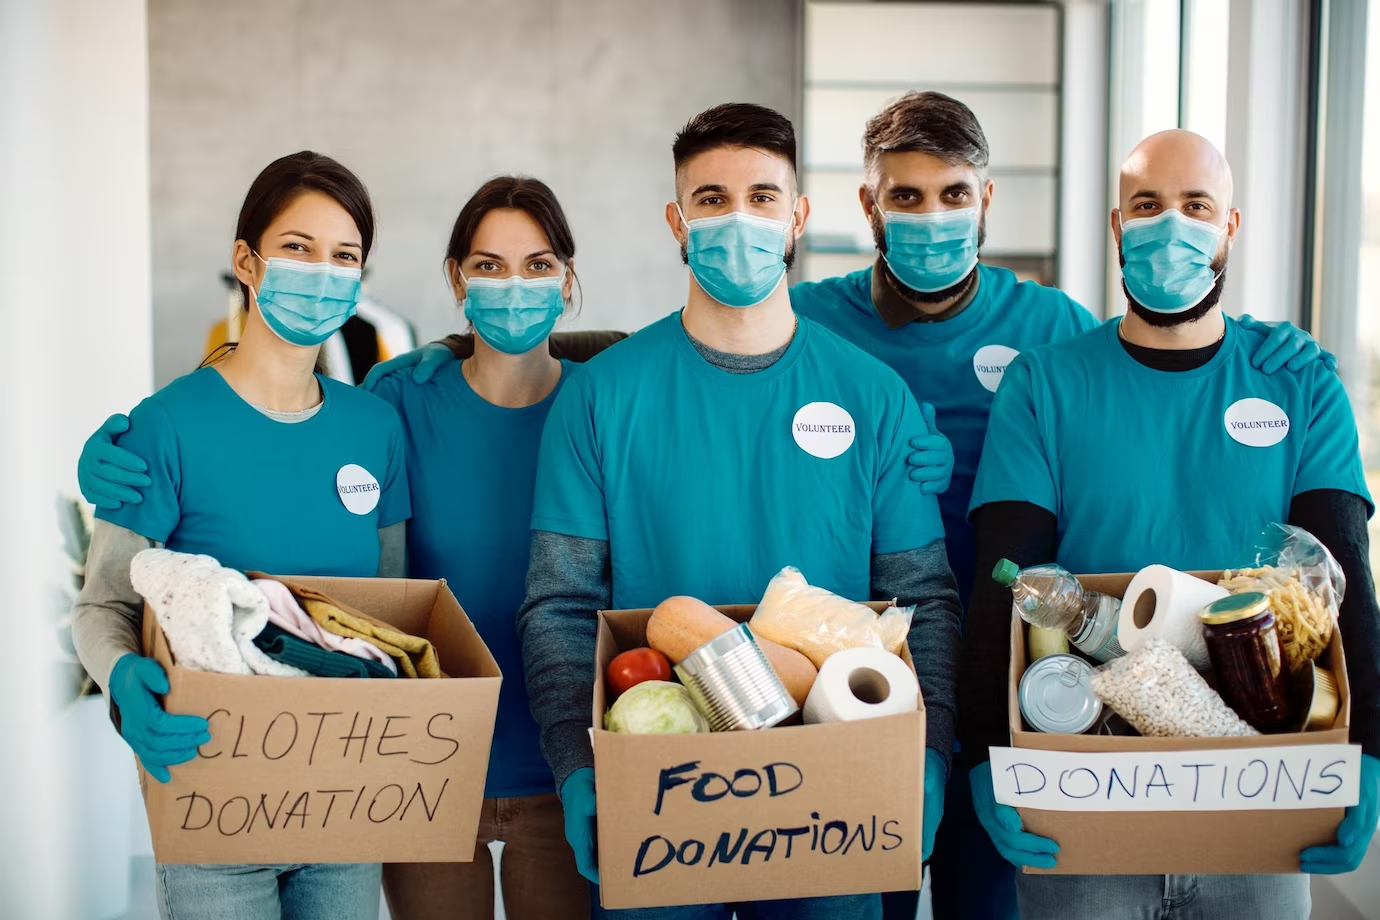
(1345,291)
(1363,377)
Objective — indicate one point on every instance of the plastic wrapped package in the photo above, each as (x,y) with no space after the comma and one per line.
(817,623)
(1305,586)
(1160,694)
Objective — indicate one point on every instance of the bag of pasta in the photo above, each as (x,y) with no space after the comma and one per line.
(1305,586)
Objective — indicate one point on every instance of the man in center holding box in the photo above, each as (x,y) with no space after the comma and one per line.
(713,448)
(1152,439)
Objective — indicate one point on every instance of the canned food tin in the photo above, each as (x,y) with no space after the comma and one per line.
(734,685)
(1056,695)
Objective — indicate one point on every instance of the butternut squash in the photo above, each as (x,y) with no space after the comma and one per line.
(679,625)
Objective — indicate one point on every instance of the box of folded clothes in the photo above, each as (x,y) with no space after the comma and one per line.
(350,718)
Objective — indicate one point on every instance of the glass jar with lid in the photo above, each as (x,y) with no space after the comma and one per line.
(1243,646)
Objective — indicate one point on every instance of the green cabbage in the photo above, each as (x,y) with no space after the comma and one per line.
(655,707)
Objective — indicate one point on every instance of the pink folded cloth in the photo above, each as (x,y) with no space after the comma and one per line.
(288,615)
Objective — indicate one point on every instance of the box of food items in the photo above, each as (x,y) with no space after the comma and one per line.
(333,769)
(757,752)
(1168,722)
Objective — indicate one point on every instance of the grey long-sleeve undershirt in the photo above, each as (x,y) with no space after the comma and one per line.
(569,581)
(107,618)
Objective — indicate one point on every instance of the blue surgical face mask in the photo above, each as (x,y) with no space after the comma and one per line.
(738,259)
(304,303)
(1167,260)
(931,251)
(514,315)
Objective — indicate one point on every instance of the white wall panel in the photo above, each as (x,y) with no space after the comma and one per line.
(950,43)
(1022,127)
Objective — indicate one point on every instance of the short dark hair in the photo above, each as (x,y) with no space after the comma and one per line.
(736,124)
(287,177)
(522,193)
(930,123)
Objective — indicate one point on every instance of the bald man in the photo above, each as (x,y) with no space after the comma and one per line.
(1152,439)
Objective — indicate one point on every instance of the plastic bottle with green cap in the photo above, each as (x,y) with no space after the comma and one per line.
(1049,597)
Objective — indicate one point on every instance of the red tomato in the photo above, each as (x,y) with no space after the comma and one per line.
(634,666)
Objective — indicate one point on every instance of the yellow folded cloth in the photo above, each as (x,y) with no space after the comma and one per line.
(416,657)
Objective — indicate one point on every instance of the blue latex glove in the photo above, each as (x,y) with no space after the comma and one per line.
(1003,825)
(1355,831)
(935,776)
(932,463)
(577,798)
(159,738)
(1285,345)
(110,476)
(424,361)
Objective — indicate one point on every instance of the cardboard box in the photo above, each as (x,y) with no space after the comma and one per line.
(316,770)
(1175,842)
(784,812)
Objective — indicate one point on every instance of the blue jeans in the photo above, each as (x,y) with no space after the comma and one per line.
(1164,897)
(323,891)
(844,907)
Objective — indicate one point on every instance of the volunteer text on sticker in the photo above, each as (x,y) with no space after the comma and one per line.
(989,363)
(359,490)
(823,429)
(1256,422)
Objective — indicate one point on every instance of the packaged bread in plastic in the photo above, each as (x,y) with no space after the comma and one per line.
(817,623)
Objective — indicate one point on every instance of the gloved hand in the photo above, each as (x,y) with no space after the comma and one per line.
(159,738)
(577,798)
(935,776)
(110,476)
(932,463)
(1003,825)
(424,361)
(1355,831)
(1285,342)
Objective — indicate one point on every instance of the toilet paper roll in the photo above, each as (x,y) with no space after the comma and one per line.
(861,683)
(1165,602)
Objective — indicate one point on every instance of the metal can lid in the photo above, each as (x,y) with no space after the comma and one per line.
(1056,695)
(1234,607)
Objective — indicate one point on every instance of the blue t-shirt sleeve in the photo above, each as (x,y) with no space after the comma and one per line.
(1331,454)
(1016,464)
(152,437)
(1083,321)
(903,517)
(569,495)
(395,504)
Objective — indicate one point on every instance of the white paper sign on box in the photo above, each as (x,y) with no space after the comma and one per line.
(1229,779)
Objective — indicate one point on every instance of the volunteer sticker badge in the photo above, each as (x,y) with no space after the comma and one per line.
(359,490)
(1256,422)
(823,430)
(989,363)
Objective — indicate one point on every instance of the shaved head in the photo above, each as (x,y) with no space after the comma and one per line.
(1173,163)
(1179,171)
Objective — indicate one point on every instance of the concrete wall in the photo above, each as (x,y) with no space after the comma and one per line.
(424,99)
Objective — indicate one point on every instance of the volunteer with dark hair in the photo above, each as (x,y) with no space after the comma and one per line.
(1115,450)
(704,400)
(244,460)
(472,434)
(949,324)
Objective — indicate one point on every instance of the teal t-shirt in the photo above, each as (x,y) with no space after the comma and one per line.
(707,483)
(472,467)
(1143,466)
(955,365)
(301,498)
